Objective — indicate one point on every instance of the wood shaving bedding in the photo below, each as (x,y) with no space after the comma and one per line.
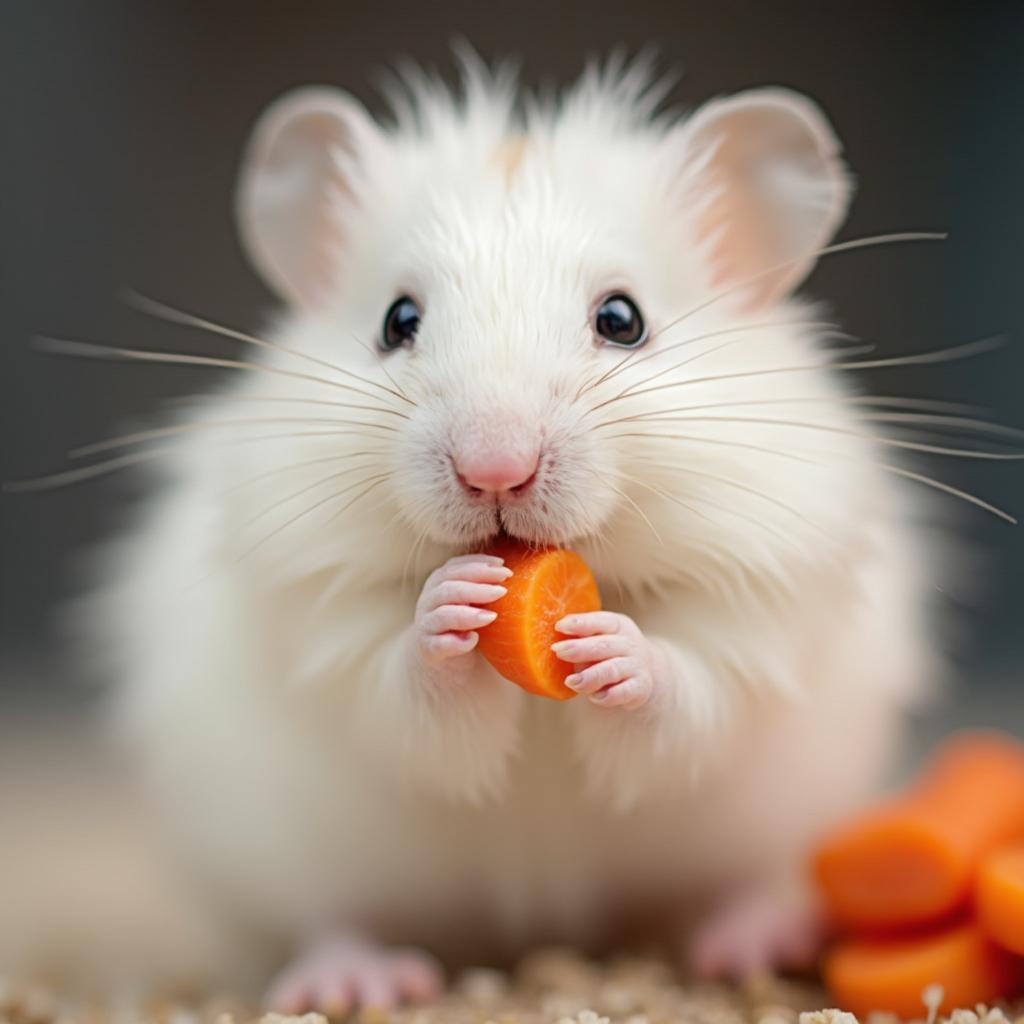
(549,987)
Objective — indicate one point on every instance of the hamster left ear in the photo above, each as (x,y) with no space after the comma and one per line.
(302,165)
(765,186)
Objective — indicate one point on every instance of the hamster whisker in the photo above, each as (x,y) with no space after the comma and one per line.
(337,475)
(727,509)
(636,508)
(635,388)
(724,442)
(922,478)
(379,479)
(376,352)
(300,465)
(162,311)
(965,351)
(867,400)
(828,250)
(362,494)
(155,433)
(938,485)
(615,370)
(66,478)
(829,428)
(738,485)
(91,350)
(287,400)
(73,476)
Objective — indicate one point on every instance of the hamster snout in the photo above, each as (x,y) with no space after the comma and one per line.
(500,472)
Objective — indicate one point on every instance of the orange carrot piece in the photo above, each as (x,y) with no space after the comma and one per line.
(999,897)
(912,860)
(547,584)
(889,975)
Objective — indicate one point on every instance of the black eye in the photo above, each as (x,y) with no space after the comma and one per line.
(401,322)
(619,322)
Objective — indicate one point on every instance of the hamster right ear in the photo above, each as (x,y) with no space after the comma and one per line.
(301,166)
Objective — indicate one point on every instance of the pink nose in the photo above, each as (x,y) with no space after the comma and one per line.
(496,471)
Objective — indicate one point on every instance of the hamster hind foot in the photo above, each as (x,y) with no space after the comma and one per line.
(757,930)
(342,972)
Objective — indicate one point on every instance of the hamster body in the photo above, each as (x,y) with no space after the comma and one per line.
(461,289)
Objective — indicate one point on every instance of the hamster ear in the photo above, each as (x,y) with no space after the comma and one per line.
(768,187)
(300,168)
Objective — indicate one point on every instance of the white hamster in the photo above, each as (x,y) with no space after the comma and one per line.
(571,321)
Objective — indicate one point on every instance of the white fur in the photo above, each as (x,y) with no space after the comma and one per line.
(264,674)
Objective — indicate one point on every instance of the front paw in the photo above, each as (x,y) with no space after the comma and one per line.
(613,659)
(447,615)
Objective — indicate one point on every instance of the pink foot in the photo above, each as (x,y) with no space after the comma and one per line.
(340,973)
(761,930)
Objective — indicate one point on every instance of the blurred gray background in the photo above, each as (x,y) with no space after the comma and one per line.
(122,127)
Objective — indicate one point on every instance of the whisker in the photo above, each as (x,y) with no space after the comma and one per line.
(869,400)
(635,388)
(91,350)
(73,476)
(337,475)
(177,429)
(831,429)
(938,485)
(376,352)
(286,400)
(938,356)
(361,494)
(828,250)
(897,470)
(777,502)
(621,364)
(728,510)
(639,511)
(952,422)
(312,508)
(301,465)
(722,441)
(162,311)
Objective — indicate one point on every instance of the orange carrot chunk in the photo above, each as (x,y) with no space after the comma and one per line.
(547,584)
(999,897)
(912,860)
(889,975)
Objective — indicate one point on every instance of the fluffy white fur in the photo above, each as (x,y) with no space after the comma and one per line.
(262,639)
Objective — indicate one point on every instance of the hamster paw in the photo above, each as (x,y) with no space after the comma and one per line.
(343,973)
(761,930)
(620,671)
(446,612)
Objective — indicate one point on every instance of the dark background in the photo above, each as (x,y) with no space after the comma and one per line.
(122,127)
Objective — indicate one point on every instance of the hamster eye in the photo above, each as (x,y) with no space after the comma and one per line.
(401,322)
(618,321)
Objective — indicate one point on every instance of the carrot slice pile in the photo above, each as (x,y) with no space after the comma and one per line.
(547,584)
(999,897)
(913,860)
(866,975)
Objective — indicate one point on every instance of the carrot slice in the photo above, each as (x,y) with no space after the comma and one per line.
(547,584)
(865,975)
(912,860)
(999,897)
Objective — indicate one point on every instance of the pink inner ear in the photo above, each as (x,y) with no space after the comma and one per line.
(295,181)
(769,190)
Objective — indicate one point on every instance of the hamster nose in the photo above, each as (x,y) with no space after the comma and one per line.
(495,472)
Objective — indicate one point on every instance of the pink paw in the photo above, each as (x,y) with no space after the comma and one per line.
(758,932)
(339,974)
(614,662)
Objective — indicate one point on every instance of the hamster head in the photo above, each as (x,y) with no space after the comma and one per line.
(522,272)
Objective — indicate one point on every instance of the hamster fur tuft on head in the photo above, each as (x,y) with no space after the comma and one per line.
(569,321)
